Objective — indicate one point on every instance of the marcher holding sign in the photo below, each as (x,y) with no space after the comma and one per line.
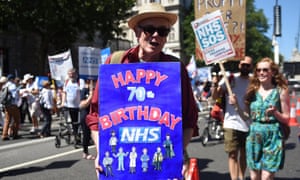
(236,129)
(151,25)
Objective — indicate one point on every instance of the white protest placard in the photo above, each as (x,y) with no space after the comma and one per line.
(60,64)
(204,73)
(89,59)
(213,38)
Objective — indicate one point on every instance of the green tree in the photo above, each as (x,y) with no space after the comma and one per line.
(59,23)
(258,45)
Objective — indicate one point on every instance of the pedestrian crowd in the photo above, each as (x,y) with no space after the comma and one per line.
(24,100)
(252,112)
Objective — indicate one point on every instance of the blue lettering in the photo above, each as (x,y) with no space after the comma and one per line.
(89,60)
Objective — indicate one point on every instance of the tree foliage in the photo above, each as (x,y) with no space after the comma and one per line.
(258,45)
(59,23)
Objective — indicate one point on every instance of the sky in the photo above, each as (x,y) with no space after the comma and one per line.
(290,14)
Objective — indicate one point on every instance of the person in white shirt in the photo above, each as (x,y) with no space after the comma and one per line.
(47,104)
(12,113)
(71,100)
(31,92)
(235,128)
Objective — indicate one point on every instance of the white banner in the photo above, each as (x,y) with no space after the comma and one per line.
(213,38)
(89,59)
(204,74)
(60,64)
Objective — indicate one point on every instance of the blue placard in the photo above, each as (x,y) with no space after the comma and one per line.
(140,121)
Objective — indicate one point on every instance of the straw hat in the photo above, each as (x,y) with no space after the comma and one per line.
(27,76)
(3,80)
(151,10)
(45,83)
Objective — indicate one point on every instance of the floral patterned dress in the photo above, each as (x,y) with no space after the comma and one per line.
(264,144)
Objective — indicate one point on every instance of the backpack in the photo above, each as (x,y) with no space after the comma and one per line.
(6,97)
(116,57)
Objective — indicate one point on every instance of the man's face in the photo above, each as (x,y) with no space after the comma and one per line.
(72,75)
(152,43)
(245,66)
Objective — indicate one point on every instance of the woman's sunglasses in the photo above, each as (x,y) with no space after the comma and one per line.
(262,69)
(162,31)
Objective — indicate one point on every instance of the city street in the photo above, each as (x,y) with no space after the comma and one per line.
(33,158)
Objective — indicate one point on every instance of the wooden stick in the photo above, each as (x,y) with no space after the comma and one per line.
(225,78)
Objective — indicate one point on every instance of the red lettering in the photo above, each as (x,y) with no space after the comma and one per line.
(129,77)
(105,122)
(165,119)
(150,74)
(140,73)
(234,38)
(174,121)
(141,112)
(155,114)
(239,53)
(159,78)
(117,80)
(131,112)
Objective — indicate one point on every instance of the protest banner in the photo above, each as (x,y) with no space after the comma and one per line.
(234,16)
(204,74)
(140,121)
(89,59)
(213,38)
(214,41)
(59,65)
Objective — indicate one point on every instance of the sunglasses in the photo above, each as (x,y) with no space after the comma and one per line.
(245,65)
(162,31)
(262,69)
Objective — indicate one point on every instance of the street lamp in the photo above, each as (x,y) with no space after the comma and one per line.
(277,31)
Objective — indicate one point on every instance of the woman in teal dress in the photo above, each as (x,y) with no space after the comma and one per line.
(267,100)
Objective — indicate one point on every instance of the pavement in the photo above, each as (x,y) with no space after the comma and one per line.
(25,135)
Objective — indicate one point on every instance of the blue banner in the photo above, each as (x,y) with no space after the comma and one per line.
(140,121)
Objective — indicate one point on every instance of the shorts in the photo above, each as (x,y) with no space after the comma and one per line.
(91,121)
(234,139)
(34,109)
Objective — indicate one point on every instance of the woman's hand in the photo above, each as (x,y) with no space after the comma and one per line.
(98,168)
(271,110)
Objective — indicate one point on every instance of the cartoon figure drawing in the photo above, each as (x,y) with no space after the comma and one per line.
(145,158)
(113,141)
(107,163)
(132,162)
(168,145)
(157,159)
(120,155)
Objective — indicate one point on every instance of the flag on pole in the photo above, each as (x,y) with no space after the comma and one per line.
(192,68)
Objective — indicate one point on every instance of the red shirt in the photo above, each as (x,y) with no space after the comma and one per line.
(189,108)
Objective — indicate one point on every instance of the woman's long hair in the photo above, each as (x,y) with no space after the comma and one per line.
(278,80)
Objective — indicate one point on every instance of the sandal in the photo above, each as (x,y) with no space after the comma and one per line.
(88,157)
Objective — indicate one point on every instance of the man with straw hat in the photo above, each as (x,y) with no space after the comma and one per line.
(151,26)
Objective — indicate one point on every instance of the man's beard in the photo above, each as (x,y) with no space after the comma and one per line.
(244,72)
